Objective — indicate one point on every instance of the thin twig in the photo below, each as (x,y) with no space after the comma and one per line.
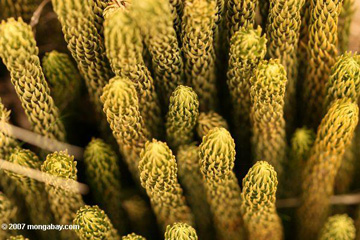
(67,184)
(40,141)
(36,16)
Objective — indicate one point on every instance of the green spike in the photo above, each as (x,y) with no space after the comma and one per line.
(63,77)
(158,175)
(94,224)
(121,107)
(194,186)
(180,231)
(247,49)
(258,203)
(102,171)
(322,50)
(321,168)
(133,236)
(217,157)
(182,116)
(63,202)
(85,44)
(267,113)
(240,14)
(339,227)
(17,50)
(124,49)
(156,23)
(198,25)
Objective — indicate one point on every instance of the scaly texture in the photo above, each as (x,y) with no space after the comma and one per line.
(283,29)
(182,116)
(7,145)
(121,107)
(94,224)
(344,83)
(334,135)
(19,52)
(63,77)
(345,18)
(19,8)
(124,49)
(133,236)
(340,227)
(63,202)
(267,113)
(32,190)
(180,231)
(7,142)
(258,203)
(156,22)
(85,44)
(194,186)
(177,8)
(208,121)
(240,13)
(247,49)
(97,7)
(322,50)
(198,25)
(159,177)
(103,173)
(217,157)
(7,214)
(301,143)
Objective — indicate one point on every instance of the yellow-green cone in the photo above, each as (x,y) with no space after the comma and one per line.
(301,143)
(208,121)
(258,203)
(158,175)
(180,231)
(19,52)
(192,180)
(217,157)
(321,168)
(344,83)
(156,22)
(124,49)
(103,173)
(133,236)
(63,77)
(94,224)
(182,116)
(247,49)
(339,227)
(240,14)
(177,8)
(198,25)
(19,8)
(85,44)
(322,50)
(63,202)
(8,214)
(121,107)
(267,113)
